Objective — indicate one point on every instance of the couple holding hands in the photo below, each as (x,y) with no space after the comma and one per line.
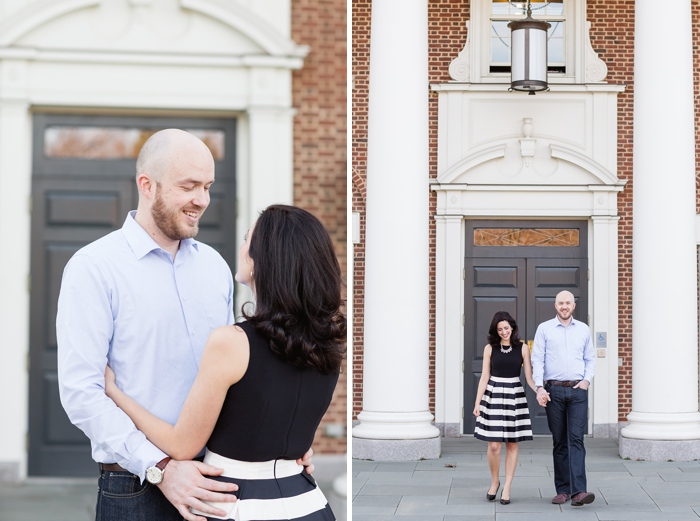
(559,371)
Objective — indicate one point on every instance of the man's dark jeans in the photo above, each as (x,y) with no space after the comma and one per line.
(567,415)
(121,496)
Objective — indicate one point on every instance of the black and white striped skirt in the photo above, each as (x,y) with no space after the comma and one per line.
(269,490)
(503,412)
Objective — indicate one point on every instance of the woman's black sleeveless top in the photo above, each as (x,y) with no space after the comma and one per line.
(274,410)
(506,365)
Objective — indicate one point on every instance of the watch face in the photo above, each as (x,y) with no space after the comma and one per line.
(154,475)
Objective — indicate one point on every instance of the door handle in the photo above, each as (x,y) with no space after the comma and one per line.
(530,343)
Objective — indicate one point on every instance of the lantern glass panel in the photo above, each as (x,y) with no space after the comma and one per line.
(538,55)
(519,66)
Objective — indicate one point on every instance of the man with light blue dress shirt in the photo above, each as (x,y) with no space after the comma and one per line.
(563,363)
(143,300)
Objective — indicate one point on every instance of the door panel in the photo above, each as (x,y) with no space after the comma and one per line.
(76,201)
(546,278)
(66,215)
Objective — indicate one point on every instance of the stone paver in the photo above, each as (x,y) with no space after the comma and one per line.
(453,487)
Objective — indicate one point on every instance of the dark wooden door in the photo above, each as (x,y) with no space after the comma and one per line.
(81,191)
(522,277)
(494,284)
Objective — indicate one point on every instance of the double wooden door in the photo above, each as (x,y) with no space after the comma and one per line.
(518,267)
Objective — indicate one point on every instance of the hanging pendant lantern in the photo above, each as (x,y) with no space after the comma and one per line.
(528,55)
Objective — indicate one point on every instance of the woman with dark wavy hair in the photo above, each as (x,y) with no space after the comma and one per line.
(501,407)
(265,383)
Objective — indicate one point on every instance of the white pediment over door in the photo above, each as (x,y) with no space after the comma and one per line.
(194,27)
(528,161)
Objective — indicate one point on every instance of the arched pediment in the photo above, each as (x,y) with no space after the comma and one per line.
(195,26)
(528,161)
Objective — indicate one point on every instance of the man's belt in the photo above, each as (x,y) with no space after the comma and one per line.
(112,467)
(563,383)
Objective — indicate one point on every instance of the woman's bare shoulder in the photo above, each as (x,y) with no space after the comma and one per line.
(229,338)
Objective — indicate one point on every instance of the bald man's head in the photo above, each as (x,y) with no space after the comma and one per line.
(166,148)
(174,172)
(565,305)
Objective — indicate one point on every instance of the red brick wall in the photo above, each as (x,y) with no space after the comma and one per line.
(612,35)
(358,204)
(447,33)
(361,13)
(320,147)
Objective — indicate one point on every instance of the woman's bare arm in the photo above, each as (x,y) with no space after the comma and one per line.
(484,380)
(224,362)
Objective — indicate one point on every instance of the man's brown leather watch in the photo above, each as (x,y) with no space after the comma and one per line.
(154,475)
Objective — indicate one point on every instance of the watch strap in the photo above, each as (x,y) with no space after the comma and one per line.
(162,463)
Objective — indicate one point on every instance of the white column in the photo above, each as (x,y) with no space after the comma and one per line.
(604,321)
(15,191)
(395,420)
(664,332)
(265,169)
(271,157)
(449,331)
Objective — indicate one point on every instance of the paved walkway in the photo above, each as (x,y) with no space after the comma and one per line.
(57,499)
(453,488)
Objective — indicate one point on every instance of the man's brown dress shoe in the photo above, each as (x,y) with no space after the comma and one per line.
(582,498)
(560,499)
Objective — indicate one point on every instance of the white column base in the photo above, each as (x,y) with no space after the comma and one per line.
(662,426)
(659,450)
(401,436)
(9,473)
(395,426)
(396,450)
(449,430)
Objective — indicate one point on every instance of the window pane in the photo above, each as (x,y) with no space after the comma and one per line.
(504,7)
(555,8)
(526,237)
(114,142)
(500,43)
(555,44)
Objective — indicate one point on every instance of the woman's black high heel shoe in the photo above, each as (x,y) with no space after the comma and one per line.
(504,501)
(491,497)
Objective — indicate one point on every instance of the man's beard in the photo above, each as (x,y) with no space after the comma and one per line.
(167,221)
(569,315)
